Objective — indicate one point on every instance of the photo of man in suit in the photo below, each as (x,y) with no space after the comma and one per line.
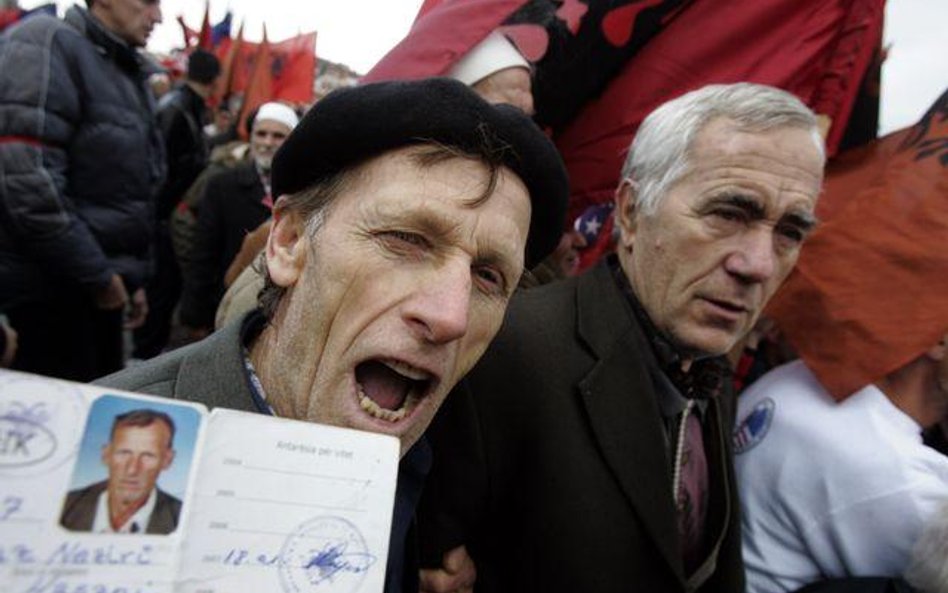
(140,447)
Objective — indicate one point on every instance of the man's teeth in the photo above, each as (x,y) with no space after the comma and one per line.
(373,409)
(406,370)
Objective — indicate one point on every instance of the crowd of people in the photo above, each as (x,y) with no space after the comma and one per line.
(398,259)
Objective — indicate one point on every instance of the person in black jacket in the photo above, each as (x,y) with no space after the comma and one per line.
(80,164)
(235,203)
(181,115)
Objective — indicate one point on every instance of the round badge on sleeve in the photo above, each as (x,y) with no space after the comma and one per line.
(754,427)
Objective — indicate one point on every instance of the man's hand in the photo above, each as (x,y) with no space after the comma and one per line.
(112,296)
(138,311)
(457,574)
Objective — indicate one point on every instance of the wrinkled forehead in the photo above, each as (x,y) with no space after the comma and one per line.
(433,181)
(792,152)
(727,134)
(156,431)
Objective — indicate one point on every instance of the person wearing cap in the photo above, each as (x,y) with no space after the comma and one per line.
(497,71)
(589,449)
(405,214)
(236,202)
(181,115)
(81,162)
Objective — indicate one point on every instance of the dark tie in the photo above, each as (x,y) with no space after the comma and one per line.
(692,495)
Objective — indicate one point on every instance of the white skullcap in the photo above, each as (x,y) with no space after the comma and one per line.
(493,54)
(279,113)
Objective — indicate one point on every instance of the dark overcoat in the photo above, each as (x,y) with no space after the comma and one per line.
(550,458)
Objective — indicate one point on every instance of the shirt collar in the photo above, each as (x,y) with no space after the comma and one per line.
(137,523)
(250,329)
(705,378)
(108,43)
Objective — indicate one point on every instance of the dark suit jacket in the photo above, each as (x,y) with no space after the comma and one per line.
(80,508)
(550,458)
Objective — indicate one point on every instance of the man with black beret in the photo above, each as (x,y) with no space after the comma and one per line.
(407,212)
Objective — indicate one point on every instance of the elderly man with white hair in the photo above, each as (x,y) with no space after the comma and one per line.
(236,202)
(589,449)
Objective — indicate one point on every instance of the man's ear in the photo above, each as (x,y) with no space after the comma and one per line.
(167,459)
(626,211)
(286,247)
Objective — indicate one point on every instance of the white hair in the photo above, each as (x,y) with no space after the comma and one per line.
(659,154)
(928,565)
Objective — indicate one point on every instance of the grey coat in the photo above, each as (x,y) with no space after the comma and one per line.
(210,372)
(81,159)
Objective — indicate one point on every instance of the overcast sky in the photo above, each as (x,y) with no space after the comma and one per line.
(359,32)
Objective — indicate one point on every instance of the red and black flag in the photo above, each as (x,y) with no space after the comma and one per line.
(869,292)
(600,67)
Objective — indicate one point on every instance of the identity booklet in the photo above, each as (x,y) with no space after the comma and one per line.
(103,491)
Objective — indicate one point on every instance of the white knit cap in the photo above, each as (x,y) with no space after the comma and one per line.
(279,113)
(493,54)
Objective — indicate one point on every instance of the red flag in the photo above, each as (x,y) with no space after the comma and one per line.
(228,58)
(190,35)
(205,37)
(243,65)
(293,68)
(816,49)
(259,87)
(449,29)
(868,293)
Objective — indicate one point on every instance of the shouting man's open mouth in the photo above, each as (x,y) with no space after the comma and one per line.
(390,389)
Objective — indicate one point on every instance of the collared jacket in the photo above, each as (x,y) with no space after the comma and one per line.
(551,462)
(81,159)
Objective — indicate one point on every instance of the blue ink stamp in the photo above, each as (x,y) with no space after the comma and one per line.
(324,553)
(40,420)
(24,437)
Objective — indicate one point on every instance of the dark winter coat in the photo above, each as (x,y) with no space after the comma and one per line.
(81,159)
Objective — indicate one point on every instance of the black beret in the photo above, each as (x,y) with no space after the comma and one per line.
(352,125)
